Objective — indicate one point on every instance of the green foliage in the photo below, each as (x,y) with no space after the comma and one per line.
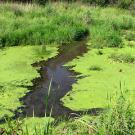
(119,120)
(114,40)
(70,127)
(34,25)
(122,58)
(12,127)
(126,4)
(80,34)
(106,29)
(27,126)
(105,36)
(38,126)
(130,36)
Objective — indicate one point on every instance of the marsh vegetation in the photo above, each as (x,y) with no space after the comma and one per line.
(31,36)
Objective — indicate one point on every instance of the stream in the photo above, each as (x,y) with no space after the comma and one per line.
(62,80)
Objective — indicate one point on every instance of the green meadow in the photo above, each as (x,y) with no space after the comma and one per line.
(30,33)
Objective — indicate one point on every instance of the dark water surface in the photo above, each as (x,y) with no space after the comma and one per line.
(62,80)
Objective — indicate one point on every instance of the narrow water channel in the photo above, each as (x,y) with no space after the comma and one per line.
(62,80)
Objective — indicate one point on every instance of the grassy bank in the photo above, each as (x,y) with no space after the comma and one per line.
(22,24)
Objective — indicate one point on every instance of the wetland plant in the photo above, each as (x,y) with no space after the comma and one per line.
(118,120)
(47,99)
(49,24)
(122,58)
(13,127)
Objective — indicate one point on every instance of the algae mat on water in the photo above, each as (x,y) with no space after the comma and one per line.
(102,77)
(16,71)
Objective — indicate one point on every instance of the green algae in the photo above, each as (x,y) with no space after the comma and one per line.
(99,88)
(9,99)
(16,72)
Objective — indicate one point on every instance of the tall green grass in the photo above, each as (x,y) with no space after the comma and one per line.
(30,24)
(35,25)
(119,119)
(108,25)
